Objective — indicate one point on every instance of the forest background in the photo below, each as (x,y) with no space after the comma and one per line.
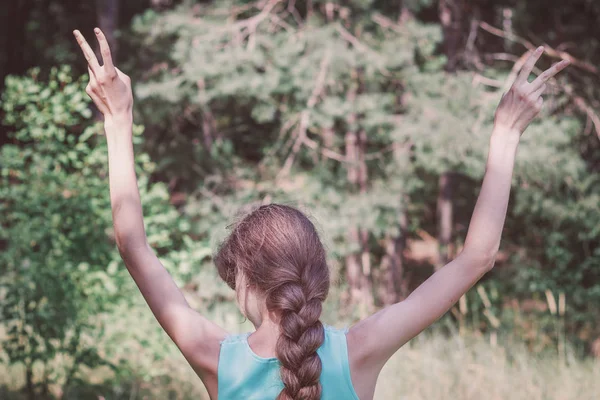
(373,116)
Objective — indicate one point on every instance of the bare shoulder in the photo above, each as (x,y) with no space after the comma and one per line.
(364,367)
(201,346)
(362,340)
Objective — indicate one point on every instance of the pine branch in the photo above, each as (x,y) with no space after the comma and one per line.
(305,117)
(563,55)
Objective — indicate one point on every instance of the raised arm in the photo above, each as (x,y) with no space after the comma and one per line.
(374,340)
(197,337)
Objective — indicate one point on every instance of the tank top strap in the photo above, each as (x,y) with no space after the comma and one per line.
(333,329)
(235,337)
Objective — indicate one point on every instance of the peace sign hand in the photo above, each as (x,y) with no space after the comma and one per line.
(109,88)
(523,101)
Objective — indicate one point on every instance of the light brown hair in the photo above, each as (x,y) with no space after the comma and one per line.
(279,252)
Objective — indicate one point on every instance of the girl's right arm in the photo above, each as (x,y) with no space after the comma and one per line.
(196,336)
(374,340)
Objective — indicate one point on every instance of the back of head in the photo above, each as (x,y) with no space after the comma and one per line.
(277,250)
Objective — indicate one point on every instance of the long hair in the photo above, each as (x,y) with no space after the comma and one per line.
(279,253)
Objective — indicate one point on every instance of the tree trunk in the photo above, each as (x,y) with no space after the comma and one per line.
(452,17)
(451,13)
(15,27)
(361,147)
(107,13)
(357,264)
(108,18)
(354,274)
(29,385)
(405,14)
(209,125)
(444,218)
(394,285)
(398,273)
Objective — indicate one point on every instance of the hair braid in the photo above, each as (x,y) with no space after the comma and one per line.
(302,333)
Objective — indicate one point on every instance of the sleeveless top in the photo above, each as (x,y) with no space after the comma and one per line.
(243,374)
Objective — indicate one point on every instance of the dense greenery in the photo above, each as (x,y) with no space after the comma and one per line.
(373,116)
(60,269)
(359,128)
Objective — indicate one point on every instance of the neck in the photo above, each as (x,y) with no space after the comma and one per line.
(264,340)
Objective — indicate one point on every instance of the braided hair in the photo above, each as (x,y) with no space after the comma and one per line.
(278,251)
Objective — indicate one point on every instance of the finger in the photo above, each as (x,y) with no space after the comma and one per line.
(105,51)
(538,92)
(529,64)
(88,53)
(549,73)
(539,104)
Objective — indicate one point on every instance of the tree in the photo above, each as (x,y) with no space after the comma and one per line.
(59,269)
(353,114)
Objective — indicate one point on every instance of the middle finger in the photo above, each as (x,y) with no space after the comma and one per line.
(549,73)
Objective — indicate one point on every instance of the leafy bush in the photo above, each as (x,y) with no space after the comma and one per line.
(59,269)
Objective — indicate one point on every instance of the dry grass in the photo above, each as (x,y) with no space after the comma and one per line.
(435,367)
(430,367)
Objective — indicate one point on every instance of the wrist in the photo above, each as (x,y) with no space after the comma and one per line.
(503,149)
(506,134)
(119,121)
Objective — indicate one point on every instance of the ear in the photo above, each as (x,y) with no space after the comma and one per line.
(240,279)
(241,293)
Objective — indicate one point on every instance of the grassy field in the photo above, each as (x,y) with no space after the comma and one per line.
(434,367)
(430,367)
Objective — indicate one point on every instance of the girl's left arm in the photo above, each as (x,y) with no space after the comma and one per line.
(374,340)
(196,336)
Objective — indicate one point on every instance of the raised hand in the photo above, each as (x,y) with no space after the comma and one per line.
(523,101)
(109,88)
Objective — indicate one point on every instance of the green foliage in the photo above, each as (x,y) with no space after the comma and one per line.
(242,106)
(59,270)
(242,93)
(259,90)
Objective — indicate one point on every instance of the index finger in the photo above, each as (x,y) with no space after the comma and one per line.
(549,73)
(105,51)
(88,53)
(529,64)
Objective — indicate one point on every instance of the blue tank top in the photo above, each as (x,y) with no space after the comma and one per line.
(243,374)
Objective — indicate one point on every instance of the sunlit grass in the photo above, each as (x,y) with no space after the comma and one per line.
(459,367)
(432,366)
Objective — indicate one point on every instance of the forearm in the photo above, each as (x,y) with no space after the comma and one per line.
(124,194)
(487,222)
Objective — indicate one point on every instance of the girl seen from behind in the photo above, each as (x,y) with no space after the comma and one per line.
(275,262)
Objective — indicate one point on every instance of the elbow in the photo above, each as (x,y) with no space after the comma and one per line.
(122,244)
(489,264)
(481,260)
(127,244)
